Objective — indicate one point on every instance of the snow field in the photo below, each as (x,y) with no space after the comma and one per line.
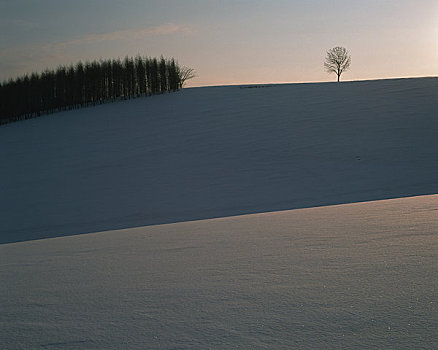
(215,152)
(352,276)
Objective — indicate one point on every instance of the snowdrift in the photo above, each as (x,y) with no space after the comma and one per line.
(217,151)
(352,276)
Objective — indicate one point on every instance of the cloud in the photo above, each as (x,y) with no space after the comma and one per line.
(36,57)
(134,34)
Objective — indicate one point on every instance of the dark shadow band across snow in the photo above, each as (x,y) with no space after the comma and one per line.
(215,152)
(60,231)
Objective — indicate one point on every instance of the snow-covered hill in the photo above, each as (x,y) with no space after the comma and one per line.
(217,151)
(354,276)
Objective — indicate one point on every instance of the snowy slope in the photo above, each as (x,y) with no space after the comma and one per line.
(217,151)
(353,276)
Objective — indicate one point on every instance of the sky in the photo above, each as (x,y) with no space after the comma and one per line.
(225,41)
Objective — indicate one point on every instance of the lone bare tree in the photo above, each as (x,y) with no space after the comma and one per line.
(337,61)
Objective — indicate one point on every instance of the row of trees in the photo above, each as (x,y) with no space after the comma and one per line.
(87,84)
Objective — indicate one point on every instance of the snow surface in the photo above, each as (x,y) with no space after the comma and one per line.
(352,276)
(215,152)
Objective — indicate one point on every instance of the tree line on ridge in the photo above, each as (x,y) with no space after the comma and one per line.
(90,83)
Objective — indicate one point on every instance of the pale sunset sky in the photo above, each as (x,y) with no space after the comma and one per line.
(225,41)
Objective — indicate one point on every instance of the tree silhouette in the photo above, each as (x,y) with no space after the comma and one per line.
(88,83)
(337,61)
(185,73)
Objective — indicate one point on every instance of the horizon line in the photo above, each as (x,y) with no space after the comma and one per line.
(310,82)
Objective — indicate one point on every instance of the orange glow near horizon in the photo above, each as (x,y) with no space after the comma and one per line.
(228,42)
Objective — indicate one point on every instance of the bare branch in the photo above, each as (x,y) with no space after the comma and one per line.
(186,73)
